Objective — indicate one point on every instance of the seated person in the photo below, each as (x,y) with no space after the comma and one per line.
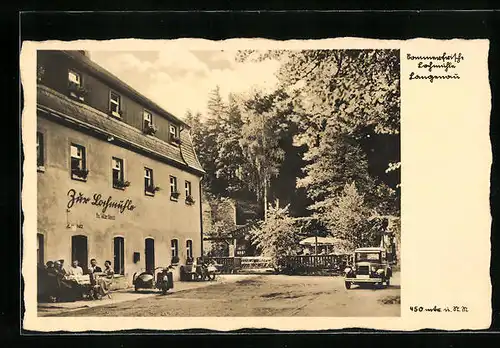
(75,270)
(94,268)
(106,279)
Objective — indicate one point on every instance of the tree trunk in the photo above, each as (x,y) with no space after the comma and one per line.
(265,198)
(265,169)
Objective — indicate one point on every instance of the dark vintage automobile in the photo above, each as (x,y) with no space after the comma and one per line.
(160,278)
(370,267)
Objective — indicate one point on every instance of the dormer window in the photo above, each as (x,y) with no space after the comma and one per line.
(149,127)
(74,77)
(115,104)
(75,85)
(148,118)
(174,134)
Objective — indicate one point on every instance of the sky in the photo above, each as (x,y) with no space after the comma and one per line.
(180,80)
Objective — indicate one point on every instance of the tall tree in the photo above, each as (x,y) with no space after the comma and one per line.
(211,136)
(340,98)
(260,137)
(230,162)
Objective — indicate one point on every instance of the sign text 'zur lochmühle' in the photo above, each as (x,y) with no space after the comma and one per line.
(98,201)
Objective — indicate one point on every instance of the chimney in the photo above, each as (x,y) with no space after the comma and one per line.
(85,53)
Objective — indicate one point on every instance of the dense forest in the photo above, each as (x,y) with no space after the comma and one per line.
(324,144)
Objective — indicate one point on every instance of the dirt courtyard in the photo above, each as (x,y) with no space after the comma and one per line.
(265,295)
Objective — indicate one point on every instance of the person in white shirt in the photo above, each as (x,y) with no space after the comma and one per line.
(75,270)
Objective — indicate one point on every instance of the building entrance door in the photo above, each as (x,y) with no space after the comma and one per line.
(119,258)
(150,254)
(40,250)
(79,251)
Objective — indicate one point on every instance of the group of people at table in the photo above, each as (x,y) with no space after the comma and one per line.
(94,283)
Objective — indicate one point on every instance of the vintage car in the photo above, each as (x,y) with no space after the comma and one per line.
(370,267)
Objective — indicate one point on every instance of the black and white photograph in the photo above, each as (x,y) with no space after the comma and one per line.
(218,183)
(247,184)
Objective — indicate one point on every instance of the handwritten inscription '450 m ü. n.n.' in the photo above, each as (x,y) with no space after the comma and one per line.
(445,309)
(98,201)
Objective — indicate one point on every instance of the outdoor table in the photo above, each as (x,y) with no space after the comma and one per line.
(82,282)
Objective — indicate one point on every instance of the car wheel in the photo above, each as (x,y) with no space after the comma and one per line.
(347,285)
(136,289)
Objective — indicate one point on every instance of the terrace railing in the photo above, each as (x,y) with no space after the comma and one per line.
(293,264)
(313,263)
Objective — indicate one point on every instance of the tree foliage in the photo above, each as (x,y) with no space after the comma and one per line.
(260,140)
(276,237)
(331,102)
(340,98)
(350,219)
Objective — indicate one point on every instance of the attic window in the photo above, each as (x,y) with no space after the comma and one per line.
(148,118)
(174,134)
(114,104)
(74,77)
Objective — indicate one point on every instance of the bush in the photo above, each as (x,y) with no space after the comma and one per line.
(275,237)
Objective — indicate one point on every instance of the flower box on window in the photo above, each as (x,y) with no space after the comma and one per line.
(117,114)
(152,189)
(190,200)
(175,260)
(150,129)
(174,195)
(121,184)
(189,260)
(77,91)
(175,140)
(80,173)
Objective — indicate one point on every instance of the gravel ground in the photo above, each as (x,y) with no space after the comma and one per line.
(265,295)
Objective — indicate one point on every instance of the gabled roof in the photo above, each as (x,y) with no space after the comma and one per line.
(79,114)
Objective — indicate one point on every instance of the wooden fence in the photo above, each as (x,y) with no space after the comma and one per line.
(317,263)
(294,264)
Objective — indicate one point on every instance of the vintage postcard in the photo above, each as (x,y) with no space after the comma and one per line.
(288,185)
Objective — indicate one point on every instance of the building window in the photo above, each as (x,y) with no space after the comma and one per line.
(119,255)
(118,174)
(149,127)
(174,193)
(75,85)
(40,257)
(114,104)
(174,134)
(74,78)
(78,162)
(174,244)
(148,118)
(189,197)
(189,249)
(149,186)
(40,161)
